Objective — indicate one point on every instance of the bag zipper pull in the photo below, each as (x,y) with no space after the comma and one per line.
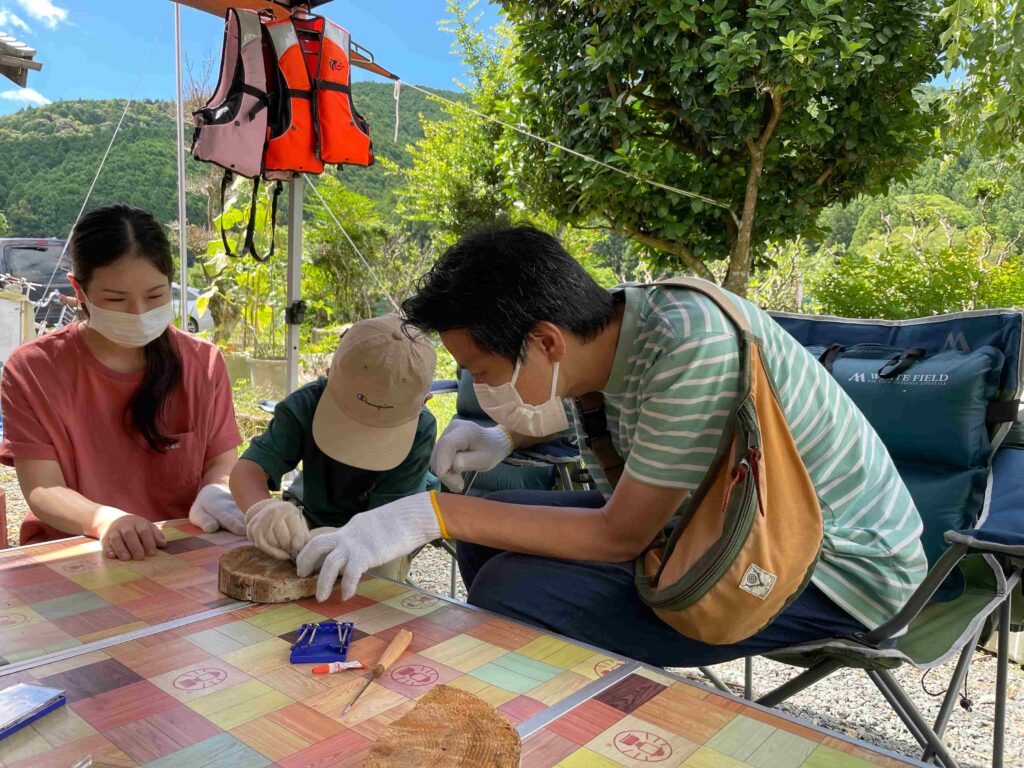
(738,473)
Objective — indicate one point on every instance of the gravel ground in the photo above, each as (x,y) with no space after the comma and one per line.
(846,702)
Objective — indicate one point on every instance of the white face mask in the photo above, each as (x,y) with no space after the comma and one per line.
(127,329)
(505,406)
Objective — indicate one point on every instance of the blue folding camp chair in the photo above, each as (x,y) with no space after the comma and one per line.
(961,455)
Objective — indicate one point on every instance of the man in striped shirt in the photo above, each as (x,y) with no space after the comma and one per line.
(532,328)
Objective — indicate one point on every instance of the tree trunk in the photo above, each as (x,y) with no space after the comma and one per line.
(741,259)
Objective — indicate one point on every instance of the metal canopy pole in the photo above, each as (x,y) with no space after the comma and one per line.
(182,215)
(295,310)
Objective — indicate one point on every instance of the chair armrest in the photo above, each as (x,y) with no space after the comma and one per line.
(444,387)
(921,597)
(1001,528)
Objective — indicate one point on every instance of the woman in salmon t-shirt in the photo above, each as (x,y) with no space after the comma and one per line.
(121,419)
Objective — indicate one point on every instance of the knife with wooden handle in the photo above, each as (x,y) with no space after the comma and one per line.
(395,649)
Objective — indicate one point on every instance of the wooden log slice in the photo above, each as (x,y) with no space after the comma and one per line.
(449,728)
(248,573)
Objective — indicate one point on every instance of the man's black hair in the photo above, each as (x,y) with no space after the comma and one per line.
(499,283)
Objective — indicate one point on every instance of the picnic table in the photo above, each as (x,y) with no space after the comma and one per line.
(162,670)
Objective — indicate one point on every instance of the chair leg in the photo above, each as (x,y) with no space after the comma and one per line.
(911,717)
(805,679)
(748,678)
(1002,663)
(715,680)
(955,683)
(898,709)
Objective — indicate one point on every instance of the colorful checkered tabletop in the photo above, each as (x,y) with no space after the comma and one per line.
(66,594)
(652,719)
(219,691)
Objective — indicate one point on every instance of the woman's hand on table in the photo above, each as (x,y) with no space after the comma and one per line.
(369,540)
(124,536)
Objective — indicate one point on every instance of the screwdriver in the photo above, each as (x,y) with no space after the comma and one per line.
(395,649)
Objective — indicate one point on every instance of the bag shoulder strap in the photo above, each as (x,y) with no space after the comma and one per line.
(591,405)
(597,437)
(713,292)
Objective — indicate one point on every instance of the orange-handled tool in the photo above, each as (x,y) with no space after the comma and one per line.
(395,649)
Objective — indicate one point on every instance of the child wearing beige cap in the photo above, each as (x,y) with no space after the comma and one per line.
(361,433)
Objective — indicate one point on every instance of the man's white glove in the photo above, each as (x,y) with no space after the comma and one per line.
(215,508)
(467,447)
(369,540)
(277,527)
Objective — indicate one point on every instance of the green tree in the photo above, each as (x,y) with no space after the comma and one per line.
(49,155)
(774,108)
(338,285)
(5,228)
(455,181)
(937,212)
(983,40)
(913,274)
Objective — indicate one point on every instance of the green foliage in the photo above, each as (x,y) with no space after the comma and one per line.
(455,181)
(775,108)
(5,228)
(991,189)
(891,212)
(337,284)
(984,39)
(778,285)
(443,405)
(246,297)
(49,155)
(914,274)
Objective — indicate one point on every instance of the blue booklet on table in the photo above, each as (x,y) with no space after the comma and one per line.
(22,703)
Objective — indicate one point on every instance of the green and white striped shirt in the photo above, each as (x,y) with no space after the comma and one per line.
(675,379)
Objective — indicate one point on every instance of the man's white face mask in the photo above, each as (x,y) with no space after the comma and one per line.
(130,330)
(504,404)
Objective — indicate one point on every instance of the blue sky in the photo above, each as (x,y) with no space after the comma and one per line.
(94,49)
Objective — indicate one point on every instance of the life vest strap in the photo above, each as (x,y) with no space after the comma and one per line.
(249,244)
(329,86)
(298,93)
(262,96)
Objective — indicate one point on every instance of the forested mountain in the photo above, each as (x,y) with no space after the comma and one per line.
(48,156)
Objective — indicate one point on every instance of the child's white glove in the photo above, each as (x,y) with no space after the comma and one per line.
(277,527)
(215,508)
(467,447)
(369,540)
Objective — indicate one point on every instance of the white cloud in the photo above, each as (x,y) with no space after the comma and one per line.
(44,11)
(11,22)
(25,95)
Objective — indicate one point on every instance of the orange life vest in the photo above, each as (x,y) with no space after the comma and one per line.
(313,120)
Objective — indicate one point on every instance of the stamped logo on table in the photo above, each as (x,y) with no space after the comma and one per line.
(643,746)
(414,674)
(8,620)
(199,679)
(80,566)
(419,602)
(605,666)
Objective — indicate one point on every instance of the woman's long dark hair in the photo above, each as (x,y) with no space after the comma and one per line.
(102,237)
